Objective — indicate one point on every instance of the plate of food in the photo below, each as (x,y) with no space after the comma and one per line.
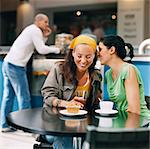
(68,113)
(73,110)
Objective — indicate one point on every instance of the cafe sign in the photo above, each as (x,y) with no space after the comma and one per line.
(131,21)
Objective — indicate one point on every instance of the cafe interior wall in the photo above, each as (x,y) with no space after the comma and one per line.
(24,10)
(11,23)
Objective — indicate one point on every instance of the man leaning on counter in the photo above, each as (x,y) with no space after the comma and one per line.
(32,37)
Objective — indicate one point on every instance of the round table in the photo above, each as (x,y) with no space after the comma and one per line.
(48,121)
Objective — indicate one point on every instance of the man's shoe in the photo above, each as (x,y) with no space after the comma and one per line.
(8,129)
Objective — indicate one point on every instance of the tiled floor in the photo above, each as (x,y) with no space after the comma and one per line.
(16,140)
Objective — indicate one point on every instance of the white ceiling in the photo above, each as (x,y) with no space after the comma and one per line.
(9,5)
(59,3)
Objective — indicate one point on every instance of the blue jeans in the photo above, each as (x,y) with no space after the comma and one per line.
(60,142)
(15,84)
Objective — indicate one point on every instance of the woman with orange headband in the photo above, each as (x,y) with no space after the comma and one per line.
(69,80)
(75,80)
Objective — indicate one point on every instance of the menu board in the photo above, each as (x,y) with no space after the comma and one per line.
(131,21)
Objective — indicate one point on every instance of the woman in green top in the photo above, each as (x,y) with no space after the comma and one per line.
(124,82)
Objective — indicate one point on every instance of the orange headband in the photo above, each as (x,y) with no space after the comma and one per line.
(83,39)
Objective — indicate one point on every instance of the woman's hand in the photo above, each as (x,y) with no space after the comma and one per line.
(80,99)
(64,103)
(77,103)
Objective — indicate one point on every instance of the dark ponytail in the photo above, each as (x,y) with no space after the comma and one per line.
(129,52)
(123,50)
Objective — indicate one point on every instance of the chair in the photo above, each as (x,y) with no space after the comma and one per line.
(44,144)
(102,138)
(147,99)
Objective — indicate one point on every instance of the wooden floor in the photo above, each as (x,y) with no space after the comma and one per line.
(17,140)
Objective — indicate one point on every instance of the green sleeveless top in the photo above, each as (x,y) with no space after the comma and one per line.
(117,93)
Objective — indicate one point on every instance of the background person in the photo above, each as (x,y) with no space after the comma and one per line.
(69,80)
(14,65)
(124,82)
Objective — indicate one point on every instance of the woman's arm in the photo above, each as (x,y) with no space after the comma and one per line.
(132,92)
(39,42)
(51,89)
(133,120)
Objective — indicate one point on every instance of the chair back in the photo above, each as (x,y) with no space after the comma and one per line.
(102,138)
(147,99)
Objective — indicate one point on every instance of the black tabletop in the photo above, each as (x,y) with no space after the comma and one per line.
(48,121)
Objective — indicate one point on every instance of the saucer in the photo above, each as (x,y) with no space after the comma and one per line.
(81,112)
(106,113)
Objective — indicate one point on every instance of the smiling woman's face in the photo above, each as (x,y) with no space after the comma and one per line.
(104,53)
(83,56)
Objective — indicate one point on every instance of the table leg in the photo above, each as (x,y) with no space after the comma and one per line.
(77,142)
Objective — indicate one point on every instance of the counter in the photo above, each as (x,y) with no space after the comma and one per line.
(4,50)
(141,58)
(41,65)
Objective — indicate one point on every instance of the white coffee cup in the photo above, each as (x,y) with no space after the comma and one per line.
(106,106)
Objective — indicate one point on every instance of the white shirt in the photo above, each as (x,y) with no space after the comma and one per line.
(23,47)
